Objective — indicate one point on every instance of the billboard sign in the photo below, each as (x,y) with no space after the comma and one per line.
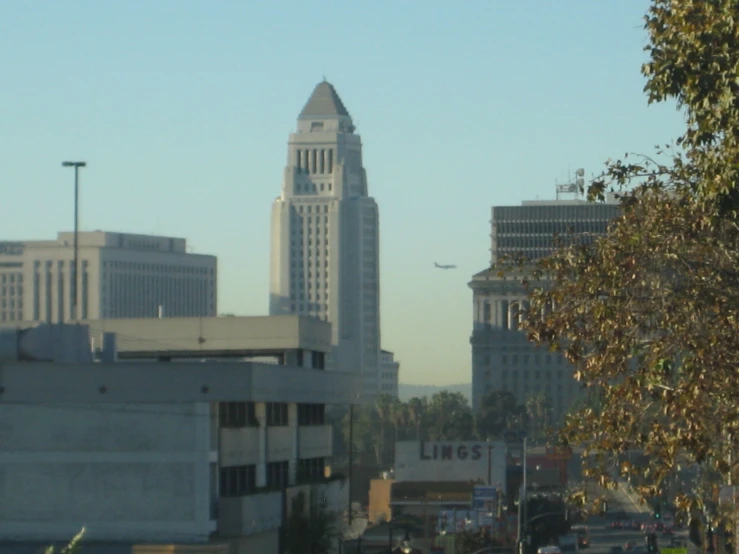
(444,461)
(457,521)
(485,498)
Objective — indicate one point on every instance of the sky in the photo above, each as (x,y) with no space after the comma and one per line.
(182,110)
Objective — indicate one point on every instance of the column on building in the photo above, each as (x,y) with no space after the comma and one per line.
(292,422)
(260,410)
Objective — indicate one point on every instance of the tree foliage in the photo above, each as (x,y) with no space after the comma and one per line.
(499,412)
(73,547)
(472,541)
(443,416)
(649,313)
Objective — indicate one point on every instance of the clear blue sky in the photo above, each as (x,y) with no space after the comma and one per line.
(182,109)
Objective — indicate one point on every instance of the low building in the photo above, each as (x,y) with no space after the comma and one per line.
(142,451)
(119,275)
(430,478)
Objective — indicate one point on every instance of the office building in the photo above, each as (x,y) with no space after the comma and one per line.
(120,275)
(502,357)
(201,448)
(325,236)
(389,370)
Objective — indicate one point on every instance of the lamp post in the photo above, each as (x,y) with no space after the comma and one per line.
(406,545)
(76,166)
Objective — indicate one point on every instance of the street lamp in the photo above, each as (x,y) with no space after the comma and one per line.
(406,545)
(76,166)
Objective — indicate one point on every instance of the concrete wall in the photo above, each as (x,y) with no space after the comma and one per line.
(244,515)
(216,334)
(175,382)
(125,472)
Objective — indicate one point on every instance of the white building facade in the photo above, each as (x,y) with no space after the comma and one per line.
(325,236)
(169,452)
(119,275)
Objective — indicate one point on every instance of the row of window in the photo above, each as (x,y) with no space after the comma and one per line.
(11,316)
(243,414)
(313,187)
(323,208)
(310,469)
(6,278)
(237,414)
(242,480)
(525,373)
(315,160)
(311,414)
(504,360)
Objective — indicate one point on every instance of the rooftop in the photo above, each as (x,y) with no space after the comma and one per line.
(324,102)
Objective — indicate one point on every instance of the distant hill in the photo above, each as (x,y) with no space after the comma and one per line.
(406,392)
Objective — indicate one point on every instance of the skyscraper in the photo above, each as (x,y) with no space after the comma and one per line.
(325,235)
(502,356)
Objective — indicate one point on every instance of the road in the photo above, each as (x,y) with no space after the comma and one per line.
(602,539)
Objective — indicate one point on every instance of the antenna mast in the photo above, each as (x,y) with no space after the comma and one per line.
(572,186)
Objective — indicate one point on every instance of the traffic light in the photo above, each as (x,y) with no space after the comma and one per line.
(658,510)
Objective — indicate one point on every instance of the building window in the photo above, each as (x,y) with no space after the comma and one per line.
(319,358)
(277,475)
(237,414)
(238,480)
(310,470)
(311,414)
(276,414)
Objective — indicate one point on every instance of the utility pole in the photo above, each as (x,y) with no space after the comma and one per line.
(490,463)
(522,497)
(351,459)
(76,166)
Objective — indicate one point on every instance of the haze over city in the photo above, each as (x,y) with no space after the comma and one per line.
(183,109)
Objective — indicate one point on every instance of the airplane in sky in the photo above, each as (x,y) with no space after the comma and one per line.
(439,266)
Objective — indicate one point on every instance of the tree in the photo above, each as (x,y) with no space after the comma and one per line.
(649,314)
(366,441)
(539,411)
(448,417)
(416,411)
(546,520)
(495,413)
(72,548)
(384,408)
(471,541)
(310,529)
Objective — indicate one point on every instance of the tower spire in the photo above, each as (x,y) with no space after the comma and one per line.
(324,102)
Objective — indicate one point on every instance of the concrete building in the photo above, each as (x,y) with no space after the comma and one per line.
(191,450)
(325,236)
(389,370)
(502,357)
(120,275)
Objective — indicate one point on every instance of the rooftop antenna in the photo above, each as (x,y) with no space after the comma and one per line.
(572,186)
